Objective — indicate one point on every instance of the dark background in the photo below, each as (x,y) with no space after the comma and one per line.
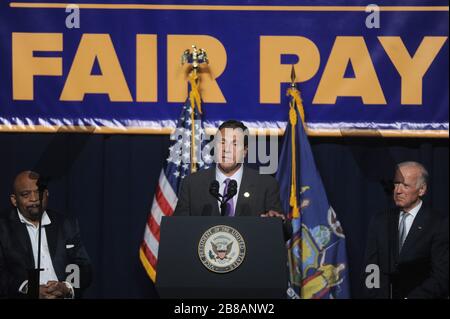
(108,181)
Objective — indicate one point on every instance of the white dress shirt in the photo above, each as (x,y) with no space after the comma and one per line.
(221,177)
(48,273)
(409,219)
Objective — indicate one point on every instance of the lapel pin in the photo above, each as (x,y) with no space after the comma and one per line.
(420,227)
(247,194)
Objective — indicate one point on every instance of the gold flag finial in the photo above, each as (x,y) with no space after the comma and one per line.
(194,57)
(293,76)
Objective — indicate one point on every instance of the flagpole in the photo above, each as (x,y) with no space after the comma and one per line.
(195,59)
(295,105)
(293,120)
(293,198)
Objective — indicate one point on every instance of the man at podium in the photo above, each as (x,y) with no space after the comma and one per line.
(221,256)
(255,194)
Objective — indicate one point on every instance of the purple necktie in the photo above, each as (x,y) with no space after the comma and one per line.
(230,203)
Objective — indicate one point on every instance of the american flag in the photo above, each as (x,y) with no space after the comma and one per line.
(175,169)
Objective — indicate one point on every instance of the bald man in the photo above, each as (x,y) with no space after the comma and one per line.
(408,244)
(65,263)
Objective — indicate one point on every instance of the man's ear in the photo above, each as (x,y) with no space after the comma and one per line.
(422,190)
(13,200)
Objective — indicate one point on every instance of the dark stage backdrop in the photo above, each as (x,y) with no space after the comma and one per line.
(111,180)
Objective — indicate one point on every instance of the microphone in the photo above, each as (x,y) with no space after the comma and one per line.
(232,189)
(214,189)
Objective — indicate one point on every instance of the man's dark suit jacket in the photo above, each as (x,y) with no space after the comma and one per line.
(16,254)
(421,269)
(195,199)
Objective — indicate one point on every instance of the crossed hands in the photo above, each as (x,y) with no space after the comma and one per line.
(54,290)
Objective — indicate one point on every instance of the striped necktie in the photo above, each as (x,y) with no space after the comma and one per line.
(402,233)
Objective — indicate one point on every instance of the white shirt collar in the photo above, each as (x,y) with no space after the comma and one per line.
(413,212)
(45,219)
(237,176)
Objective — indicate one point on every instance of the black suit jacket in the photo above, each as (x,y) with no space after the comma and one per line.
(421,269)
(16,254)
(195,200)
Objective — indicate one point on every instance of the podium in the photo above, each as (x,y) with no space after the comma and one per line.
(188,253)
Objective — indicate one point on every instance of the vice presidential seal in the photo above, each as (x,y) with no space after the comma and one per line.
(221,249)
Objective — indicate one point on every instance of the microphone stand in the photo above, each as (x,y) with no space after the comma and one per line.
(223,207)
(34,275)
(390,237)
(223,204)
(389,234)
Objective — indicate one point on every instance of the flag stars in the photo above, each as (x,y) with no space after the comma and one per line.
(207,158)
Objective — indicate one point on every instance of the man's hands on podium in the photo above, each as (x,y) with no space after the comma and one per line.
(272,213)
(287,225)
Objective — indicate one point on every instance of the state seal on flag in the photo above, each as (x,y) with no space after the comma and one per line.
(221,249)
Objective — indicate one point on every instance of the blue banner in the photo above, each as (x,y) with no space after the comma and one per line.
(116,65)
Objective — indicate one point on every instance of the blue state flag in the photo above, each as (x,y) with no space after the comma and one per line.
(317,258)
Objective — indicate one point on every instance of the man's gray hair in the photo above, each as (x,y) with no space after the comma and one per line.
(423,178)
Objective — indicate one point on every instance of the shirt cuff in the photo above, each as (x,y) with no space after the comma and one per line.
(72,291)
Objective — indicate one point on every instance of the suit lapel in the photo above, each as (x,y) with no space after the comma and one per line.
(243,202)
(20,231)
(394,241)
(213,202)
